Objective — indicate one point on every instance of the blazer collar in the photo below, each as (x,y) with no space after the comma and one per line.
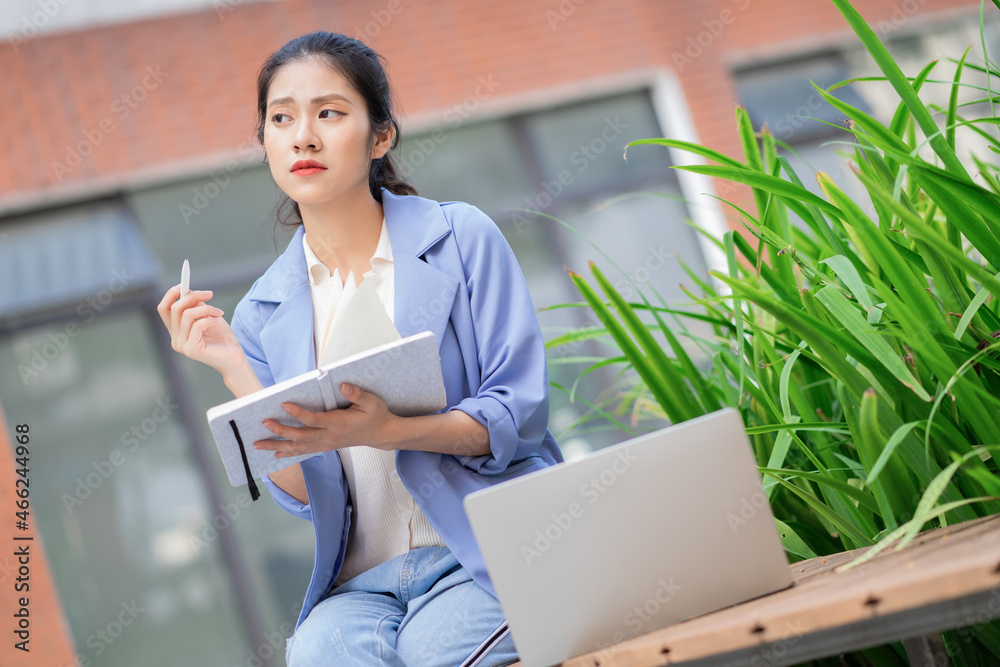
(414,224)
(424,294)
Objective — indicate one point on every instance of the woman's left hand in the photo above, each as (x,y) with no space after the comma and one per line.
(364,422)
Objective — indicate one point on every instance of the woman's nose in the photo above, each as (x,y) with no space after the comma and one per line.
(305,135)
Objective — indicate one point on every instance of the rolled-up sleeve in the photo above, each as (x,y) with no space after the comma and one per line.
(246,325)
(513,397)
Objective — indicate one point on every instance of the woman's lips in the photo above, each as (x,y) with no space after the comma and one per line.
(307,167)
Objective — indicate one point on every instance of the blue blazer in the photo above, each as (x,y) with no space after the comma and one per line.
(455,275)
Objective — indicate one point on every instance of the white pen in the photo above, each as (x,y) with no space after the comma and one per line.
(185,278)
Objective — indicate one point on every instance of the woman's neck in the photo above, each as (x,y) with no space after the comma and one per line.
(344,233)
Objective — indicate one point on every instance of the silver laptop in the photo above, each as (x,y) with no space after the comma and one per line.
(629,539)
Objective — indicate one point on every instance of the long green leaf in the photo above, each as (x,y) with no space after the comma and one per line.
(902,86)
(826,512)
(927,502)
(902,112)
(891,499)
(890,446)
(830,427)
(916,226)
(792,542)
(765,182)
(865,333)
(953,101)
(714,156)
(853,492)
(892,538)
(970,311)
(663,394)
(848,273)
(654,353)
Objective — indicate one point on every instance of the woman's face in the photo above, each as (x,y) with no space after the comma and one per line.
(316,134)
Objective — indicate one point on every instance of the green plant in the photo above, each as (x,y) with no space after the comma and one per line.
(861,350)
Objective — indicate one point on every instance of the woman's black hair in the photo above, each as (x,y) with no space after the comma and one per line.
(362,67)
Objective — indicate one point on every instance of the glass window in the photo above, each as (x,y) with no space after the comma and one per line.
(127,511)
(480,161)
(221,223)
(61,256)
(582,145)
(117,496)
(782,96)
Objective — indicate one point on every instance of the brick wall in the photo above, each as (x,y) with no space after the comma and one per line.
(105,104)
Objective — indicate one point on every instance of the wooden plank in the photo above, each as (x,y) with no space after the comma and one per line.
(946,578)
(876,631)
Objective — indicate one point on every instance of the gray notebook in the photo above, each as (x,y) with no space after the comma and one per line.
(406,374)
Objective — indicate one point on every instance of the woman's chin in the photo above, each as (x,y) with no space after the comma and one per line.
(309,197)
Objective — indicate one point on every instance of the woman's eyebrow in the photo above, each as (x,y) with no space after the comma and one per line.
(322,99)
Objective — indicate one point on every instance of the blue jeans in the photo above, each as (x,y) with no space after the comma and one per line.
(420,609)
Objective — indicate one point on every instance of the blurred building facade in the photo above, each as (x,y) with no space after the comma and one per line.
(128,147)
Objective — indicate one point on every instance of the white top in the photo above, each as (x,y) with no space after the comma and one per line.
(387,521)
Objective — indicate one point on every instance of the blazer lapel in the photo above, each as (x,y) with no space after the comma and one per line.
(424,295)
(287,336)
(288,339)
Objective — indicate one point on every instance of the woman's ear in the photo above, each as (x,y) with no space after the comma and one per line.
(383,141)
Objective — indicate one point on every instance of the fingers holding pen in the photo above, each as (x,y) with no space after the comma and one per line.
(180,312)
(195,320)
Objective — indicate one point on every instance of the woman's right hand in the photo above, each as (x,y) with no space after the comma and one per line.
(199,332)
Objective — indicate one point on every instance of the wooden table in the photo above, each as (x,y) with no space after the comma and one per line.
(946,578)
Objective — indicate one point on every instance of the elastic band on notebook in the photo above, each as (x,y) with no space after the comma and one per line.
(254,492)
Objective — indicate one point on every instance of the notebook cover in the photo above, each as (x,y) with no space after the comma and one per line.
(406,374)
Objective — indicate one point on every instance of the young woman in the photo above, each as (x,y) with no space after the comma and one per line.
(398,577)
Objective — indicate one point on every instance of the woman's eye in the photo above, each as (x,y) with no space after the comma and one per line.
(327,113)
(277,118)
